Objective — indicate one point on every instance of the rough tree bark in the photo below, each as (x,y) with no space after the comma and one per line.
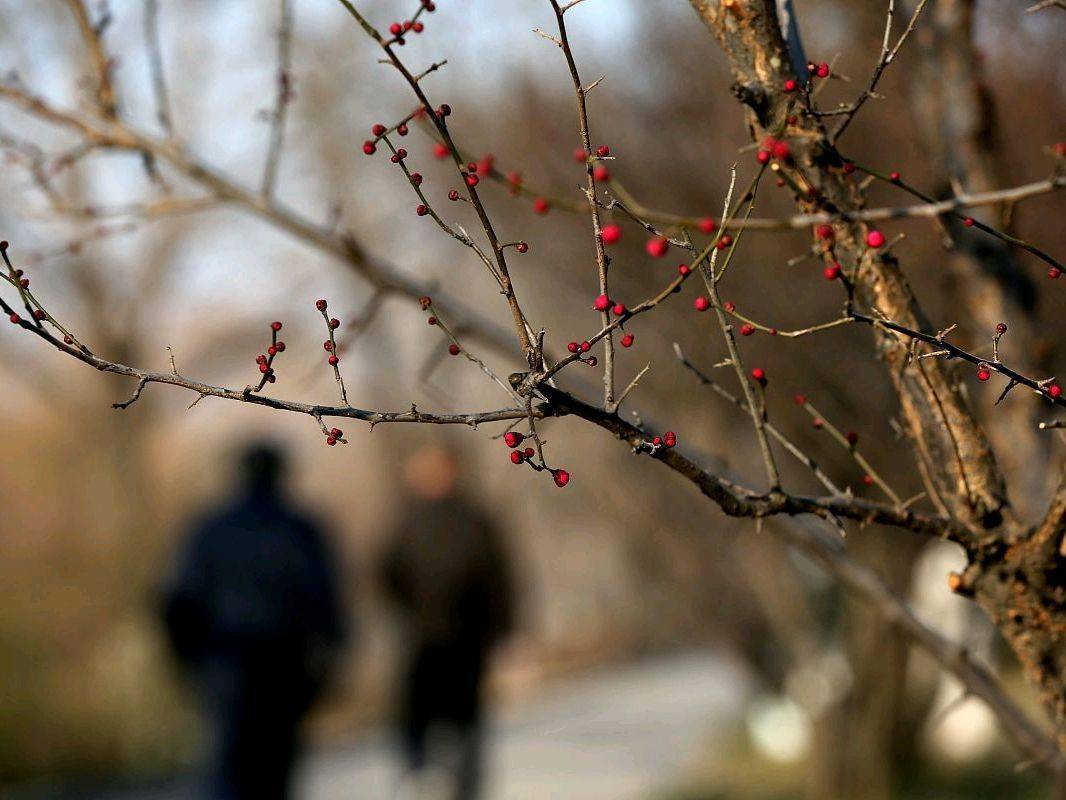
(954,112)
(1015,572)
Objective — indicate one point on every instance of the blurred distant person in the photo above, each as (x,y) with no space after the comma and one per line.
(253,611)
(445,567)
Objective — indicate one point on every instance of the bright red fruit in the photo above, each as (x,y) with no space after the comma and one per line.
(610,234)
(657,247)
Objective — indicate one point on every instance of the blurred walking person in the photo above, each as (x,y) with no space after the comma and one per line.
(445,567)
(253,611)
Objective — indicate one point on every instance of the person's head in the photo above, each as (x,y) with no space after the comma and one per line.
(432,472)
(262,466)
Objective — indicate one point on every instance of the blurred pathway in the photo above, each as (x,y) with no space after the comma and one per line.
(618,732)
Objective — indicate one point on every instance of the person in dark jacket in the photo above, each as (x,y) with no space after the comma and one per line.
(446,569)
(253,612)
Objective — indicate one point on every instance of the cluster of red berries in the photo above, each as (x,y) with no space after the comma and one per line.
(773,148)
(266,361)
(334,435)
(513,439)
(398,29)
(332,324)
(668,440)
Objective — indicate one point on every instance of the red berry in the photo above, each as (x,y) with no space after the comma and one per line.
(513,438)
(683,269)
(561,477)
(444,110)
(868,480)
(484,166)
(759,375)
(852,437)
(822,71)
(657,441)
(800,400)
(516,457)
(369,147)
(541,206)
(983,375)
(453,195)
(402,129)
(416,178)
(334,324)
(320,305)
(832,272)
(440,150)
(585,347)
(825,232)
(573,347)
(471,179)
(333,361)
(817,424)
(610,234)
(790,85)
(875,239)
(657,246)
(396,29)
(725,241)
(706,225)
(1054,390)
(701,303)
(627,340)
(602,303)
(894,177)
(280,347)
(272,350)
(580,156)
(331,440)
(275,326)
(1001,328)
(453,348)
(378,129)
(619,309)
(730,307)
(1054,273)
(591,361)
(418,27)
(264,368)
(529,452)
(763,157)
(336,433)
(432,320)
(603,151)
(782,152)
(522,247)
(601,174)
(747,329)
(39,315)
(968,222)
(421,210)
